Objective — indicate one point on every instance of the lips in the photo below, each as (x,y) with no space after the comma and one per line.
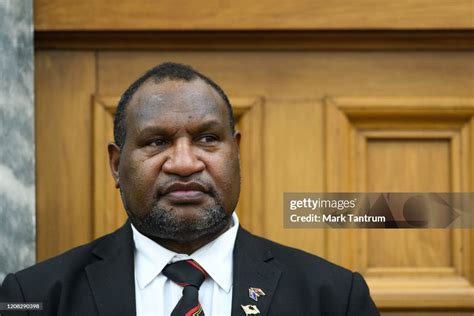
(185,193)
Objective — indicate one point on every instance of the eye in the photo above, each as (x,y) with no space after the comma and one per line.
(207,139)
(158,142)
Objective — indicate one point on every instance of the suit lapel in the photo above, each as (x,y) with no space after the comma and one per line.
(112,278)
(252,268)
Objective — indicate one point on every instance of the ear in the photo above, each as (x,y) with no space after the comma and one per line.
(114,161)
(237,142)
(237,137)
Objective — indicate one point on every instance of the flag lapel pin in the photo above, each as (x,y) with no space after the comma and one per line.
(250,310)
(255,293)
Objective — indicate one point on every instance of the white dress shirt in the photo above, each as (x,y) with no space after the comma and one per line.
(156,295)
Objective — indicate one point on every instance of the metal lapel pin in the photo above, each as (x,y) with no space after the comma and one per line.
(250,310)
(255,293)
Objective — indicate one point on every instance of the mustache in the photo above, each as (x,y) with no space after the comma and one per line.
(179,184)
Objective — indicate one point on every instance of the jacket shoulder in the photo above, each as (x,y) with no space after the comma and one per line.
(293,256)
(67,265)
(75,257)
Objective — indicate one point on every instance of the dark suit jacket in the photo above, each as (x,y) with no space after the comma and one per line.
(98,279)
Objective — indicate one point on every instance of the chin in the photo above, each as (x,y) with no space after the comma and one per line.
(183,224)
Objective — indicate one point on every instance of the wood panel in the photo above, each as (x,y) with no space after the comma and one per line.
(64,82)
(108,211)
(419,164)
(249,113)
(290,75)
(306,75)
(294,162)
(250,15)
(404,144)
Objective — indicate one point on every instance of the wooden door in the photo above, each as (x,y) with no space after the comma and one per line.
(311,122)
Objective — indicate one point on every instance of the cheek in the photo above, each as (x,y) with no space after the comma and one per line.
(225,171)
(139,176)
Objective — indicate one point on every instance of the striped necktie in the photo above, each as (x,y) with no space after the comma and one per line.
(190,275)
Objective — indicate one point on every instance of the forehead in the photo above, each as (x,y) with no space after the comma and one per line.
(172,100)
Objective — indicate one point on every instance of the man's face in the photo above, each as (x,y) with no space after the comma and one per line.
(178,171)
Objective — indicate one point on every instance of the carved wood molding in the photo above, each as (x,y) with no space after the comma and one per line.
(354,121)
(349,120)
(257,40)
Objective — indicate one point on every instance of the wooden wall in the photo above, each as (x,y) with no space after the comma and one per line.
(296,73)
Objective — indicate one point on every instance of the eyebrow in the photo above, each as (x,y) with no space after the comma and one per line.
(208,125)
(154,130)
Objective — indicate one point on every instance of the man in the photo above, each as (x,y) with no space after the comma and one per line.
(175,160)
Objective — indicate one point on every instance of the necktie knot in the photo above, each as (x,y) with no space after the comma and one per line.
(185,273)
(190,275)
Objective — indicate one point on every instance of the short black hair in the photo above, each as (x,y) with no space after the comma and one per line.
(171,71)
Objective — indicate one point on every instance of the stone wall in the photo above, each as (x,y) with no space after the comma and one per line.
(17,145)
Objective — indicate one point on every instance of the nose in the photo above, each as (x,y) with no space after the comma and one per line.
(182,159)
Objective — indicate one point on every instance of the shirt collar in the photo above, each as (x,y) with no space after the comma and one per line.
(215,257)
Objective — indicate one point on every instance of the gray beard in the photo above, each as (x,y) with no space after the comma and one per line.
(165,224)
